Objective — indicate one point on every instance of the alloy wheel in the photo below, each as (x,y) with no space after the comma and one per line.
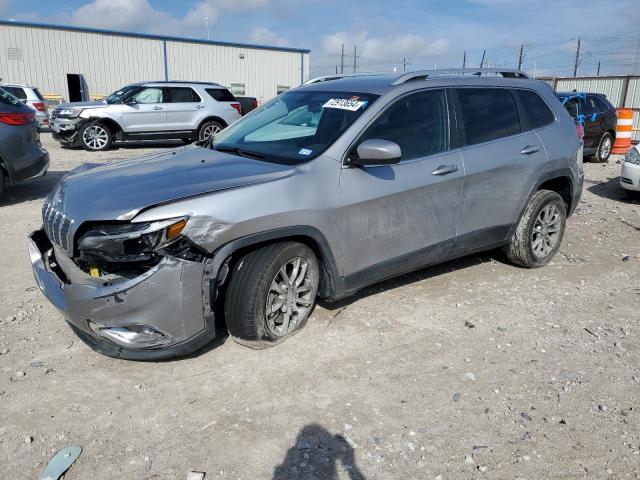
(290,297)
(605,147)
(546,231)
(210,130)
(95,137)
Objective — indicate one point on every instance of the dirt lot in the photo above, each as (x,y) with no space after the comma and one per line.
(472,369)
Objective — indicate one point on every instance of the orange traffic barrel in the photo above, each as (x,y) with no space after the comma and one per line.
(624,128)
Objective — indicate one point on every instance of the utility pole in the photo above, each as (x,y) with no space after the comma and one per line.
(404,64)
(521,57)
(355,58)
(598,74)
(577,64)
(336,69)
(206,19)
(464,60)
(342,60)
(484,52)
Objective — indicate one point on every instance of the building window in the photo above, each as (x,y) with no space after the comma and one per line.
(281,89)
(238,88)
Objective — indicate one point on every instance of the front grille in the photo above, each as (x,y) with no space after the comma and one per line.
(57,225)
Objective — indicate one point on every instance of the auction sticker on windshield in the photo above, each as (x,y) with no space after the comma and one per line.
(345,104)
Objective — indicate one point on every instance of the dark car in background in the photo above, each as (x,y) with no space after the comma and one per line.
(21,153)
(598,118)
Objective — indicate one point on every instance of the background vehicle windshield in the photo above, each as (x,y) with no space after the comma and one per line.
(296,126)
(116,97)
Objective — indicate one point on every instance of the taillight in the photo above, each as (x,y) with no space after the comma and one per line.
(580,130)
(17,118)
(40,106)
(237,107)
(255,103)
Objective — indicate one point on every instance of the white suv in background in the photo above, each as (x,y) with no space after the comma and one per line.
(147,111)
(31,97)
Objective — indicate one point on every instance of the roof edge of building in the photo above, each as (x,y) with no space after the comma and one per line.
(150,36)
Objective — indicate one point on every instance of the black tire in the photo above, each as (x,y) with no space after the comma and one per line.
(602,152)
(520,249)
(100,141)
(203,131)
(249,290)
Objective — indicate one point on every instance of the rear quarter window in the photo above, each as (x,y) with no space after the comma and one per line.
(221,94)
(536,111)
(488,114)
(8,98)
(17,92)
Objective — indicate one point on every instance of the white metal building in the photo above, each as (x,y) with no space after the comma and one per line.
(61,60)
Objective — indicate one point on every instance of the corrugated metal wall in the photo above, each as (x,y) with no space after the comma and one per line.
(42,57)
(261,71)
(621,91)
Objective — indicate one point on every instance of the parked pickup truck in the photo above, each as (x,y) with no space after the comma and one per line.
(247,104)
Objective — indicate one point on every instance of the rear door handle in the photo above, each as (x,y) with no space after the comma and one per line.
(200,107)
(445,170)
(157,108)
(529,149)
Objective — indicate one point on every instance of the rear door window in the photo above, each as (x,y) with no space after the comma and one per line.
(589,107)
(221,94)
(488,114)
(536,111)
(418,123)
(181,95)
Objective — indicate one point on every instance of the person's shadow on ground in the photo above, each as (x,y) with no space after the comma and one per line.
(316,455)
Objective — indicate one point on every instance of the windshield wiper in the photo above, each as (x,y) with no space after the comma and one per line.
(240,152)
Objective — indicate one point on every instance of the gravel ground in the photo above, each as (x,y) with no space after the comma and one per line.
(471,369)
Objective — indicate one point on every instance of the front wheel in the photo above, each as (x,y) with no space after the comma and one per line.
(95,137)
(271,294)
(604,148)
(539,232)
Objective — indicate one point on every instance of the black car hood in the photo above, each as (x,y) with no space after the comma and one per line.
(121,189)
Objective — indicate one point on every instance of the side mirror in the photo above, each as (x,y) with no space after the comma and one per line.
(130,101)
(377,152)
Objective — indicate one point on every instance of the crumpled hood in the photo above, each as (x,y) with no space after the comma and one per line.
(82,105)
(107,192)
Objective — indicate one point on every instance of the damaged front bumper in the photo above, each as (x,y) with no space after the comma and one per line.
(65,130)
(164,312)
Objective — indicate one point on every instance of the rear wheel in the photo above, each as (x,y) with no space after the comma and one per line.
(209,129)
(539,233)
(271,294)
(604,148)
(95,137)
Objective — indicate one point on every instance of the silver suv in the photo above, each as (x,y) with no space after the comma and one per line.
(338,184)
(32,97)
(147,111)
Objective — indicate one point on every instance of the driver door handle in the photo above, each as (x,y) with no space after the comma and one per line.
(445,170)
(529,149)
(157,108)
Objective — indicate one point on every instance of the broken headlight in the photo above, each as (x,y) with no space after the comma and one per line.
(124,243)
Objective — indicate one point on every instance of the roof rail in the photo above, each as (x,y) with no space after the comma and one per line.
(326,78)
(168,82)
(424,74)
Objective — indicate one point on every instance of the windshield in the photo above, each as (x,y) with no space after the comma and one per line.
(295,126)
(116,97)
